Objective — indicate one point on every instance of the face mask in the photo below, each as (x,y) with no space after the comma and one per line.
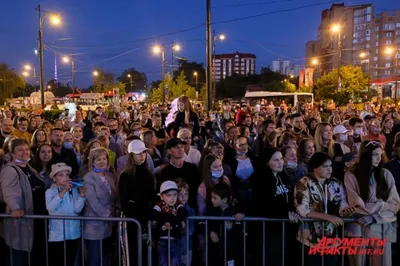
(358,131)
(376,131)
(343,138)
(100,170)
(240,153)
(136,133)
(22,161)
(217,174)
(68,145)
(291,164)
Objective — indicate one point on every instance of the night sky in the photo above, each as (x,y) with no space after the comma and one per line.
(118,34)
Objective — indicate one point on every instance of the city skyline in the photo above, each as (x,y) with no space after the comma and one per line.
(116,35)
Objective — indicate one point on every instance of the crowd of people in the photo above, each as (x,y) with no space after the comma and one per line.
(163,164)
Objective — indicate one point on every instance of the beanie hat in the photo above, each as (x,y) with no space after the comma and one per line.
(317,160)
(268,153)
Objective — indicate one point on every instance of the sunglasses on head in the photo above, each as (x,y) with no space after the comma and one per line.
(373,142)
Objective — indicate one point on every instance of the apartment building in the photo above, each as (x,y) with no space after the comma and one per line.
(228,64)
(369,40)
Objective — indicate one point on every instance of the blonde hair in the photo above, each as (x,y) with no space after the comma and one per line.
(183,131)
(318,139)
(96,153)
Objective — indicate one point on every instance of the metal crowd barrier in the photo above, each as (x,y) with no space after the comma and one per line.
(244,221)
(203,219)
(115,220)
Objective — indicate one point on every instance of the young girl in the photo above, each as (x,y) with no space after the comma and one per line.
(372,189)
(63,199)
(186,118)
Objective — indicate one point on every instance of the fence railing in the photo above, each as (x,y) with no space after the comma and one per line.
(258,237)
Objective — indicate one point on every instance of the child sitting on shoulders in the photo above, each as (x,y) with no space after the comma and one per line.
(169,215)
(221,200)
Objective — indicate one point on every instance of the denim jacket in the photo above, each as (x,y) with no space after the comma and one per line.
(70,205)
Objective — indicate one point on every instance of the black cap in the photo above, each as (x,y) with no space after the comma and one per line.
(348,157)
(174,142)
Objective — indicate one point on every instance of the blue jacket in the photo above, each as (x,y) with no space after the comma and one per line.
(70,205)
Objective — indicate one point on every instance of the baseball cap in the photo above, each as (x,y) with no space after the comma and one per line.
(340,129)
(174,142)
(167,186)
(137,147)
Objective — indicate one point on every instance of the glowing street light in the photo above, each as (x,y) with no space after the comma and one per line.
(336,28)
(314,62)
(27,67)
(221,37)
(25,74)
(95,73)
(362,55)
(389,50)
(55,20)
(157,49)
(65,59)
(176,47)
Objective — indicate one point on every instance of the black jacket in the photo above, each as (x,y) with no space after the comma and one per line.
(137,193)
(193,123)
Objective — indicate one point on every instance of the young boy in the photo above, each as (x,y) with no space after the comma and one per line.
(183,197)
(220,198)
(170,215)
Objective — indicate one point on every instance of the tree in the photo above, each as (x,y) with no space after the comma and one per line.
(103,82)
(189,68)
(174,89)
(139,79)
(354,84)
(10,81)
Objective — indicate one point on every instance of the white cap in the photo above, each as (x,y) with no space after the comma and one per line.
(137,146)
(168,185)
(340,129)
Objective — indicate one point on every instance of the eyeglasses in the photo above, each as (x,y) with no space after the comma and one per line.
(373,142)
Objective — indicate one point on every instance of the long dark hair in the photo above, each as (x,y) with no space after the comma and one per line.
(363,171)
(206,175)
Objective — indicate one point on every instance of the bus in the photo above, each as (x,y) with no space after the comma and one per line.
(261,97)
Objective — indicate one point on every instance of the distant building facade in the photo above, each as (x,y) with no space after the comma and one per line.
(365,39)
(285,67)
(228,64)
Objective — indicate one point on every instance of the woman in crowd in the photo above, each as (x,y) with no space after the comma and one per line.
(101,197)
(271,189)
(212,173)
(42,163)
(304,153)
(137,191)
(372,189)
(22,191)
(321,197)
(187,118)
(39,137)
(85,157)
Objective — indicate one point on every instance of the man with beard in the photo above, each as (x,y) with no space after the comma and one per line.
(6,129)
(60,154)
(21,130)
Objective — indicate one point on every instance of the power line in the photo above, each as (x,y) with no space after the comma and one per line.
(272,12)
(253,4)
(137,40)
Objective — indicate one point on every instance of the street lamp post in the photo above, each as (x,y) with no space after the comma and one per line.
(130,81)
(55,20)
(196,75)
(390,51)
(208,53)
(336,29)
(216,37)
(66,60)
(95,74)
(157,50)
(175,48)
(26,75)
(29,67)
